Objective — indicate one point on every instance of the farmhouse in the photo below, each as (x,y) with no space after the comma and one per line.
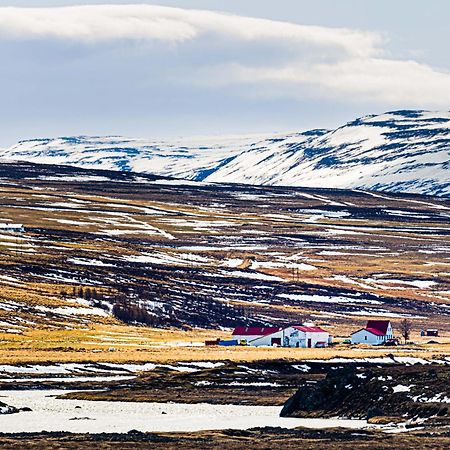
(304,336)
(377,332)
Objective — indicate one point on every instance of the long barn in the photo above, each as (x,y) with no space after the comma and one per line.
(300,336)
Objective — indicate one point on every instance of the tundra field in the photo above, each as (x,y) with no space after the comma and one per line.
(111,287)
(124,344)
(189,255)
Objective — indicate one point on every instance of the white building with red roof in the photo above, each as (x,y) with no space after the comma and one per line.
(250,334)
(376,332)
(304,336)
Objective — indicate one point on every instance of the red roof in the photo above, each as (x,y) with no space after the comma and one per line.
(376,327)
(255,331)
(309,329)
(375,331)
(380,326)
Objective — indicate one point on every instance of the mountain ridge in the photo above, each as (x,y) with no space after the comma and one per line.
(398,151)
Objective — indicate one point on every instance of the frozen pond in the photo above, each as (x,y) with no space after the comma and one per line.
(51,414)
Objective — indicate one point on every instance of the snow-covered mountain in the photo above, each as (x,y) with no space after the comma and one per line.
(400,151)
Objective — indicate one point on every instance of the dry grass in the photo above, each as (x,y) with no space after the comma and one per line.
(259,439)
(109,343)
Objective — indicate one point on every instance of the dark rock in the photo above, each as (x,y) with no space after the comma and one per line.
(324,395)
(373,393)
(25,409)
(374,411)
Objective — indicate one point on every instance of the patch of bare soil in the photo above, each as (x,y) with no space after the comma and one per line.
(262,383)
(257,439)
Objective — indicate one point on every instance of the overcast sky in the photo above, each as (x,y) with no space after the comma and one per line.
(195,67)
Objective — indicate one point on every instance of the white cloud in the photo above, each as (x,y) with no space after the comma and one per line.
(391,82)
(149,22)
(310,61)
(94,23)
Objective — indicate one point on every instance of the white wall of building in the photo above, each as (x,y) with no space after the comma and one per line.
(298,338)
(389,332)
(291,337)
(245,337)
(365,337)
(267,339)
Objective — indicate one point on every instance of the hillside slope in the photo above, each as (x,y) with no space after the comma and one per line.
(400,151)
(174,253)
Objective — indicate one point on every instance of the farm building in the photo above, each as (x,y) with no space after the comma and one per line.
(305,336)
(430,332)
(249,334)
(377,332)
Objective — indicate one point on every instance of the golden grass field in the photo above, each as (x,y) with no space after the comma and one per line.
(177,243)
(120,344)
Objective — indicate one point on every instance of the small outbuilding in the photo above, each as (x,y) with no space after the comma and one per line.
(431,332)
(376,332)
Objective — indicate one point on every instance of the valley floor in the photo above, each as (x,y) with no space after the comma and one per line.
(165,404)
(101,249)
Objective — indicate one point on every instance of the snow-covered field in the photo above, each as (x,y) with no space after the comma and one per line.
(77,416)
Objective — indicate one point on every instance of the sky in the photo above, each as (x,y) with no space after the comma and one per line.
(210,67)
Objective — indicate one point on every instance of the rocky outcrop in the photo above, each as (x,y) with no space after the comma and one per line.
(408,392)
(6,409)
